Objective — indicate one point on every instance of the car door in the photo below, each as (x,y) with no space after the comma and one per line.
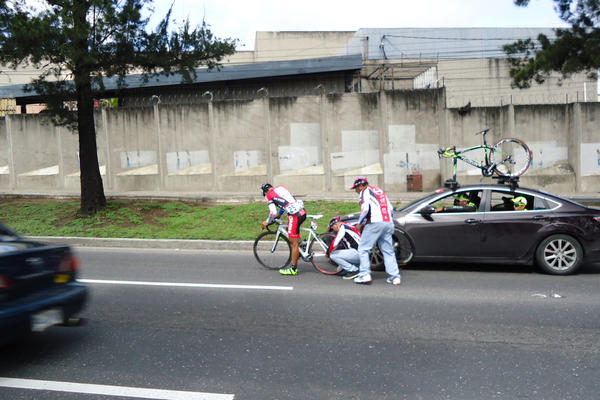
(510,234)
(445,234)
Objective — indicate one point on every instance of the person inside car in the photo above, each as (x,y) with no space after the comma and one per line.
(461,204)
(519,203)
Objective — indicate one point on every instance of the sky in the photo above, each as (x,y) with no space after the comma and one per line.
(240,19)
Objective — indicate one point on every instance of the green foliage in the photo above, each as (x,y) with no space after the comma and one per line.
(574,50)
(77,44)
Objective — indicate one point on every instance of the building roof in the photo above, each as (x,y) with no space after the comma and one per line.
(224,73)
(438,43)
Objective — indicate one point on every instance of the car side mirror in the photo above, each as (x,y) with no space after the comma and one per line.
(427,211)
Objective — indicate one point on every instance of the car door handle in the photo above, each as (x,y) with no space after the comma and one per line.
(540,217)
(472,221)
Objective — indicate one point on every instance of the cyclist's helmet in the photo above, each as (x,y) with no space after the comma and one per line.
(461,197)
(361,180)
(332,222)
(265,188)
(519,201)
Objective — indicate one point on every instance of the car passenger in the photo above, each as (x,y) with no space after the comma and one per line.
(281,197)
(461,204)
(344,248)
(519,203)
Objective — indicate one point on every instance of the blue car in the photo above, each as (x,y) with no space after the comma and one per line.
(38,286)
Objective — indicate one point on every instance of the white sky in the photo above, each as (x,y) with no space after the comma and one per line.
(242,18)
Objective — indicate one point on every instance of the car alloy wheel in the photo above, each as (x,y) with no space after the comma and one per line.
(559,254)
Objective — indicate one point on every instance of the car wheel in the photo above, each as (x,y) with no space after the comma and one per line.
(402,247)
(559,255)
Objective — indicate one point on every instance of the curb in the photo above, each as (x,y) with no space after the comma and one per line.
(173,244)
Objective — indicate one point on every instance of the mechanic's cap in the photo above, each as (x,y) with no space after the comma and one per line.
(333,221)
(461,197)
(359,181)
(519,201)
(265,188)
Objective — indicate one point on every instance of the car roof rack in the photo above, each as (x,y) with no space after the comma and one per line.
(511,181)
(451,184)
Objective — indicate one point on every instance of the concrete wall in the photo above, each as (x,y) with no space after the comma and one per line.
(313,144)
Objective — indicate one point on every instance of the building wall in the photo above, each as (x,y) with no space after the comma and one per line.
(313,144)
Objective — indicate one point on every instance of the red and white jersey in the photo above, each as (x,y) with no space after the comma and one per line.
(374,206)
(281,197)
(347,237)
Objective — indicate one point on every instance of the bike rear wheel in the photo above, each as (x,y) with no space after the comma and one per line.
(319,259)
(272,251)
(511,156)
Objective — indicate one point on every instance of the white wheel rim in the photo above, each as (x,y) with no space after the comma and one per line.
(560,254)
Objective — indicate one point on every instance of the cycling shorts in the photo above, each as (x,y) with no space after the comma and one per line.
(294,222)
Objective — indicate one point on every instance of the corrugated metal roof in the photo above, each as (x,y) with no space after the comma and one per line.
(438,43)
(226,73)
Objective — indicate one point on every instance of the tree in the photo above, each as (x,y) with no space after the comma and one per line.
(77,43)
(573,50)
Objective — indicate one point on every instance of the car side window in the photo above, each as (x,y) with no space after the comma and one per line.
(465,201)
(513,201)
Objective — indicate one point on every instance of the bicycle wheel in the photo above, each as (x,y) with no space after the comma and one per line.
(319,259)
(511,156)
(272,252)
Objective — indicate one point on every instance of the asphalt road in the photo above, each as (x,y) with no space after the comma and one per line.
(222,327)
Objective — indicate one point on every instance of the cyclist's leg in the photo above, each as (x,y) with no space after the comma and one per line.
(294,222)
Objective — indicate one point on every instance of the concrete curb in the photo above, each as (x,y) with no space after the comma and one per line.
(172,244)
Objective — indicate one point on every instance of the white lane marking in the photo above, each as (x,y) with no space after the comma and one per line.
(194,285)
(109,390)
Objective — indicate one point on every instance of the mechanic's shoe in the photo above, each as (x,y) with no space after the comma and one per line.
(397,281)
(363,280)
(289,271)
(349,274)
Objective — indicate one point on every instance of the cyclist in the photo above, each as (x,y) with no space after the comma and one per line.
(344,248)
(519,203)
(376,224)
(461,204)
(280,196)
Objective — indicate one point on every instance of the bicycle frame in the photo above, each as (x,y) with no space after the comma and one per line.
(487,168)
(304,245)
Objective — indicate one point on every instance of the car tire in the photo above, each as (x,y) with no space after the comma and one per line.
(400,238)
(559,255)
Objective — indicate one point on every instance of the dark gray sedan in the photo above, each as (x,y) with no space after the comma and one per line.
(497,224)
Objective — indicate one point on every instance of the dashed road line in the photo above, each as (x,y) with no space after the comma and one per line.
(109,390)
(190,285)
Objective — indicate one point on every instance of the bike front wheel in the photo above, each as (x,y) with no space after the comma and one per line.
(511,156)
(272,250)
(319,258)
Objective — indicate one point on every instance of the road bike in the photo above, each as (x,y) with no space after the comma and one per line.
(272,249)
(508,158)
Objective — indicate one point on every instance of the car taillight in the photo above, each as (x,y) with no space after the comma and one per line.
(69,264)
(5,283)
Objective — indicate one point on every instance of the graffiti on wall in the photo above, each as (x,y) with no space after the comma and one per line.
(406,156)
(249,162)
(546,155)
(188,162)
(590,159)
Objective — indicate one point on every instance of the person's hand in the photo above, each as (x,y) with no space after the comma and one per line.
(264,224)
(359,227)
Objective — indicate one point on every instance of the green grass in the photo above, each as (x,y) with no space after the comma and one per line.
(150,220)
